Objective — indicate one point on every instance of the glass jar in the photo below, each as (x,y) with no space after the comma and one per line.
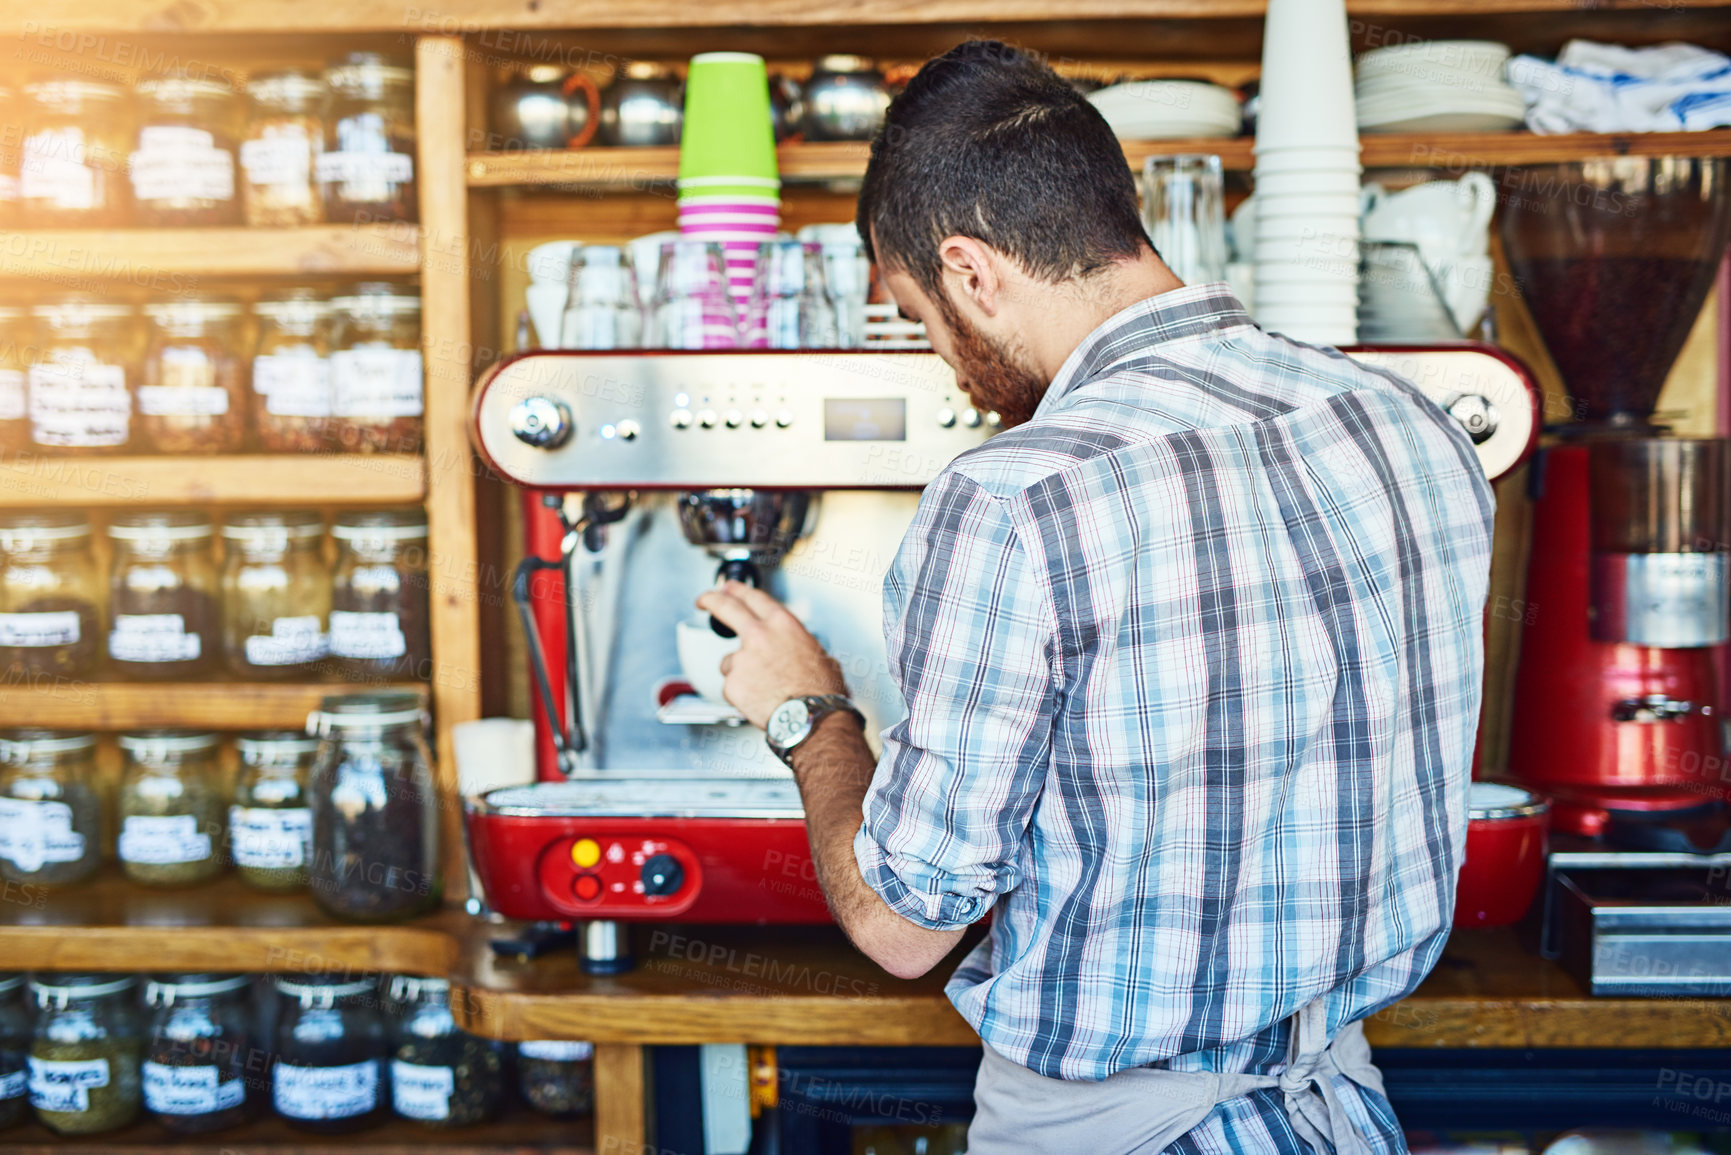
(380,609)
(14,1051)
(73,170)
(375,809)
(50,807)
(171,808)
(84,1058)
(376,377)
(440,1075)
(193,397)
(162,596)
(50,594)
(331,1051)
(14,357)
(276,594)
(557,1077)
(291,373)
(367,171)
(201,1044)
(11,137)
(270,824)
(85,355)
(285,134)
(183,165)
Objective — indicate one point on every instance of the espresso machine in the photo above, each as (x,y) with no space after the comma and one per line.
(1618,707)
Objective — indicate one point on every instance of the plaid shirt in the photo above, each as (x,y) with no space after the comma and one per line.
(1192,664)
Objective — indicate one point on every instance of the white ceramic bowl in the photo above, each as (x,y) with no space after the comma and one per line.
(700,652)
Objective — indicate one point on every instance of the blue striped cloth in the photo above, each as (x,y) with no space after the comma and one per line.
(1192,663)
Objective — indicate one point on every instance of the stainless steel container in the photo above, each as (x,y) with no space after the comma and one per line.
(845,99)
(643,106)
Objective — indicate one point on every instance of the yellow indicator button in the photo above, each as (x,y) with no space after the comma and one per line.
(585,852)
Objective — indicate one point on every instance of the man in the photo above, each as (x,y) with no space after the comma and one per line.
(1191,655)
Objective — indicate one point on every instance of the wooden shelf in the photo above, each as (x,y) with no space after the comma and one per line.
(132,255)
(641,168)
(67,704)
(32,478)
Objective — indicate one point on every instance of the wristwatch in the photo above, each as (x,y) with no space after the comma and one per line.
(794,720)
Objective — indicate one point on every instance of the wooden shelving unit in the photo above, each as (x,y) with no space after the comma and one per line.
(95,705)
(74,255)
(33,480)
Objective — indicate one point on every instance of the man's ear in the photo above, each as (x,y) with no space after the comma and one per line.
(972,274)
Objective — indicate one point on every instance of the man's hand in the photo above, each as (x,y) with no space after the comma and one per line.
(777,657)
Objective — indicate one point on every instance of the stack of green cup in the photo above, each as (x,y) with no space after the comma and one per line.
(729,185)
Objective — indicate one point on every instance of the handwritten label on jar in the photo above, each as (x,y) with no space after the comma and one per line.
(189,1090)
(153,638)
(13,1084)
(162,840)
(270,839)
(291,642)
(376,383)
(325,1092)
(33,834)
(76,401)
(13,406)
(293,385)
(366,635)
(173,162)
(556,1050)
(366,168)
(28,631)
(64,1084)
(282,155)
(419,1092)
(182,400)
(53,169)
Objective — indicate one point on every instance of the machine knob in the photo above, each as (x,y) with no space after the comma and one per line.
(628,430)
(735,419)
(783,418)
(541,422)
(662,875)
(947,417)
(759,419)
(1476,414)
(993,419)
(706,418)
(971,418)
(681,418)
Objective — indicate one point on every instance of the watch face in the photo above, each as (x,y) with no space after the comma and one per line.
(789,723)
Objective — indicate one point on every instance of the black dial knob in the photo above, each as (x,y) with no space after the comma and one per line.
(662,874)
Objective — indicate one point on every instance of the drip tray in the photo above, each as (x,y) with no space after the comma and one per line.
(650,796)
(1664,931)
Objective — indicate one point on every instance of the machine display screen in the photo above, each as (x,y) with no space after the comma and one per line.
(865,419)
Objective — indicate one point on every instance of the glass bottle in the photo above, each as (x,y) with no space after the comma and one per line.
(270,823)
(84,1058)
(440,1075)
(202,1046)
(50,807)
(163,596)
(557,1076)
(367,171)
(193,396)
(376,373)
(171,808)
(332,1047)
(276,594)
(291,373)
(375,809)
(183,164)
(14,399)
(77,135)
(380,610)
(14,1051)
(50,598)
(84,360)
(285,133)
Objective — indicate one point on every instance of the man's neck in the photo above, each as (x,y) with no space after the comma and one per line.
(1096,300)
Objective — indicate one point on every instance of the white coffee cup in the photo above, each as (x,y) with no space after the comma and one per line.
(1445,219)
(700,652)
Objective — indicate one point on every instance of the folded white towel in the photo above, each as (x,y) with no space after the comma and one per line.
(1608,88)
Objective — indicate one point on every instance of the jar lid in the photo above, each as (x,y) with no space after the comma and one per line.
(163,525)
(55,89)
(63,988)
(843,62)
(647,70)
(156,745)
(368,69)
(379,299)
(75,310)
(265,529)
(259,744)
(191,311)
(370,711)
(10,983)
(164,990)
(22,530)
(380,524)
(405,987)
(296,305)
(11,312)
(21,745)
(311,989)
(168,88)
(290,86)
(1502,800)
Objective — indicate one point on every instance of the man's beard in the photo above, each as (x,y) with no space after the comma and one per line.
(994,379)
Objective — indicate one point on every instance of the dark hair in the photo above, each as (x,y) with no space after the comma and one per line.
(987,142)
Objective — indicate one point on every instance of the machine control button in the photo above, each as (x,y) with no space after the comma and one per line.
(993,419)
(541,422)
(585,852)
(681,419)
(735,419)
(783,418)
(759,418)
(706,418)
(662,875)
(947,417)
(587,888)
(971,417)
(628,430)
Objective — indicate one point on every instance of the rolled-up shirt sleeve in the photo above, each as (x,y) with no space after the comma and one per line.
(969,626)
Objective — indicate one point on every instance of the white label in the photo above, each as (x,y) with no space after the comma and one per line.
(178,163)
(64,1084)
(189,1090)
(376,383)
(76,401)
(270,839)
(283,155)
(419,1092)
(153,638)
(291,641)
(33,834)
(326,1092)
(293,384)
(159,840)
(182,400)
(555,1049)
(55,628)
(13,1085)
(13,406)
(367,635)
(364,168)
(53,169)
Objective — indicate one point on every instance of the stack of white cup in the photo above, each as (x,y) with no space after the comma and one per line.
(1307,176)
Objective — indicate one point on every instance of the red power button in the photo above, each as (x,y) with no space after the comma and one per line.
(587,887)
